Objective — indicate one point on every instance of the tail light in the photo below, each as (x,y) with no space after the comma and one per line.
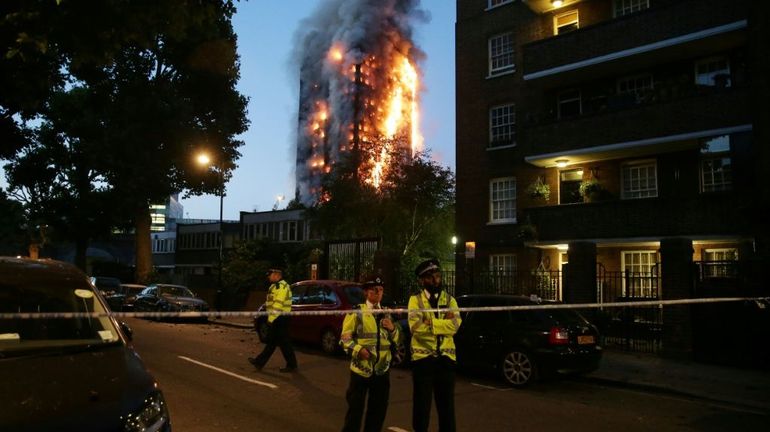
(558,336)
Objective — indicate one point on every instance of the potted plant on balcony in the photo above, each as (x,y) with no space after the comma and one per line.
(539,189)
(590,189)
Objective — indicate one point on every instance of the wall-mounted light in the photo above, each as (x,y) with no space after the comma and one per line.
(557,3)
(561,163)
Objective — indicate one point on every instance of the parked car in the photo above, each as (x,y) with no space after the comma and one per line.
(317,295)
(69,373)
(129,293)
(522,346)
(169,298)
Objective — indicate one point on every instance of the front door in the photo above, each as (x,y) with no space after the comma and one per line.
(569,186)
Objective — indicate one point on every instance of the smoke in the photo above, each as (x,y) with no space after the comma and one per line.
(338,37)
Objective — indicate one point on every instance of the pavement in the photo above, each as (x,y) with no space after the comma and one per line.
(740,388)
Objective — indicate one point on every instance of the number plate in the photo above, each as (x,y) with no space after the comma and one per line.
(586,339)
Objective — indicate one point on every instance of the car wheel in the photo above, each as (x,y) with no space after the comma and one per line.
(159,308)
(262,330)
(329,341)
(518,368)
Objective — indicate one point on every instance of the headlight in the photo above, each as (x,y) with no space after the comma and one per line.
(152,417)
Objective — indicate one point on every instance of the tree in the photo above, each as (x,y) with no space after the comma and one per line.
(412,212)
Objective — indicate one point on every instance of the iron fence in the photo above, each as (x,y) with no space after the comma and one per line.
(546,284)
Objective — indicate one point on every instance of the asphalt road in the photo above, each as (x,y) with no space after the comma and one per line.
(210,386)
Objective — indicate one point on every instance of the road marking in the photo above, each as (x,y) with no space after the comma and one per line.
(397,429)
(491,387)
(240,377)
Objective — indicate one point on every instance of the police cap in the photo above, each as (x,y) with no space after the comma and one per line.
(427,267)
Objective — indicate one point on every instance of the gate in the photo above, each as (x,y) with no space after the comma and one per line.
(632,328)
(349,260)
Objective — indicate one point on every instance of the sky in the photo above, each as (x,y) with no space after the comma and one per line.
(265,30)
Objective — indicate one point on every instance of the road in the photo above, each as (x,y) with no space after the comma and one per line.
(210,386)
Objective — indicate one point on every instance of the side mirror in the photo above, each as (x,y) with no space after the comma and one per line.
(127,331)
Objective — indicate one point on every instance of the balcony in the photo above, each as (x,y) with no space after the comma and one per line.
(717,214)
(660,34)
(663,122)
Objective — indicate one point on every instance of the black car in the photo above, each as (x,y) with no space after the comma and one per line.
(169,298)
(68,373)
(110,290)
(521,346)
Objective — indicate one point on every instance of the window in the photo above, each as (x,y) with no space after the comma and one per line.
(625,7)
(716,164)
(569,104)
(501,54)
(566,22)
(640,273)
(495,3)
(569,186)
(637,86)
(639,180)
(502,272)
(713,71)
(502,122)
(720,262)
(502,200)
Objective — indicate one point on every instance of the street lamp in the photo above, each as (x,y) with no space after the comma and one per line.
(205,160)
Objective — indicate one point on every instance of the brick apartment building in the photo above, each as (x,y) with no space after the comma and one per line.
(622,141)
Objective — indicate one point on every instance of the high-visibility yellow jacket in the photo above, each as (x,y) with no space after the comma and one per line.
(432,333)
(365,331)
(278,299)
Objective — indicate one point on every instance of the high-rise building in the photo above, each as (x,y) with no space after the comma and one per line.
(164,216)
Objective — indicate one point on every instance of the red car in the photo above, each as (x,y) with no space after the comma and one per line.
(317,295)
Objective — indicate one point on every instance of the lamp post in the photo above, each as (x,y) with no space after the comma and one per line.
(203,159)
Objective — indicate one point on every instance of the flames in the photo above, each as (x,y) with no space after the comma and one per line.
(359,91)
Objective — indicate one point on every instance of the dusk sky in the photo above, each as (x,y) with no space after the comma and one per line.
(269,77)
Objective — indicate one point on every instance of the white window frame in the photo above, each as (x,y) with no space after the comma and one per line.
(495,57)
(707,78)
(491,4)
(632,172)
(626,7)
(503,271)
(713,179)
(506,114)
(501,206)
(556,17)
(642,284)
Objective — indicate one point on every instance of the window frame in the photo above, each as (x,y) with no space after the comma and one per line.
(646,287)
(560,102)
(492,211)
(628,10)
(508,68)
(510,139)
(556,25)
(499,3)
(712,74)
(639,192)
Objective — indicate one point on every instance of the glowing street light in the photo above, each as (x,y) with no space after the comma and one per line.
(203,159)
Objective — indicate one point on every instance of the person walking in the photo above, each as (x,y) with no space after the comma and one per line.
(368,337)
(278,300)
(433,349)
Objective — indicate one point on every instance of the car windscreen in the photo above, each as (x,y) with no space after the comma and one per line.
(175,291)
(20,335)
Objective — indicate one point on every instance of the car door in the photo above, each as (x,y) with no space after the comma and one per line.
(481,335)
(297,304)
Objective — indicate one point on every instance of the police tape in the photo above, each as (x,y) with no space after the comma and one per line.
(760,302)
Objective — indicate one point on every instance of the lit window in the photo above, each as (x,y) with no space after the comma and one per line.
(502,200)
(720,262)
(570,104)
(713,71)
(640,273)
(640,180)
(625,7)
(501,54)
(502,123)
(716,164)
(565,22)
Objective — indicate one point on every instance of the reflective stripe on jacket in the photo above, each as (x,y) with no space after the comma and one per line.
(432,334)
(278,299)
(364,331)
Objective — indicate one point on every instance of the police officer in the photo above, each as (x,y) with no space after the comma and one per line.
(368,337)
(433,349)
(278,300)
